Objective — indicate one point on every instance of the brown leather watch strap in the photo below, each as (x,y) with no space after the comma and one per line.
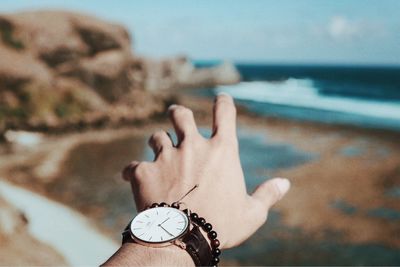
(196,245)
(198,248)
(126,235)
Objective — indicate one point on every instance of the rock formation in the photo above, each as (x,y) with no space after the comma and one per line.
(179,72)
(59,68)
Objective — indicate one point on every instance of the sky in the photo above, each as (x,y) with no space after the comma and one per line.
(261,31)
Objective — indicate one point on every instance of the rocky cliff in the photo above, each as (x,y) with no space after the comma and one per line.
(61,69)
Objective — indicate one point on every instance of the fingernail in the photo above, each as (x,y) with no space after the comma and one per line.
(224,93)
(228,98)
(283,185)
(172,107)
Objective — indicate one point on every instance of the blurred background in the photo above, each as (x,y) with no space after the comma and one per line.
(83,84)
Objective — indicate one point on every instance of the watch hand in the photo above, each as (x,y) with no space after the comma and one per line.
(166,230)
(164,221)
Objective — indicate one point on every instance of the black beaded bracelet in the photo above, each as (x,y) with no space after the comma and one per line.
(200,222)
(212,235)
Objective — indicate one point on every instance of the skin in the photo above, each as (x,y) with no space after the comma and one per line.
(212,163)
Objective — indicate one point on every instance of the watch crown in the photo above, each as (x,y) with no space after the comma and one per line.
(180,244)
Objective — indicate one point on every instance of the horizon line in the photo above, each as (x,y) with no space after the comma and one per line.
(295,63)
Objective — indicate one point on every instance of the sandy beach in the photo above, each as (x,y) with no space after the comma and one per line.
(343,202)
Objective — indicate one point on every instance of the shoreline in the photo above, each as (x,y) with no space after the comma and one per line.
(202,107)
(46,218)
(338,160)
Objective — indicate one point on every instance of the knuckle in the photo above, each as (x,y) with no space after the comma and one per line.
(135,172)
(226,141)
(227,107)
(186,145)
(141,171)
(263,217)
(192,143)
(273,193)
(127,172)
(182,112)
(157,135)
(260,211)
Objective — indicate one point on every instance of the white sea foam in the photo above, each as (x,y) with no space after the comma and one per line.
(65,230)
(302,93)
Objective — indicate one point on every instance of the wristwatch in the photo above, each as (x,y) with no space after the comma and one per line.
(164,226)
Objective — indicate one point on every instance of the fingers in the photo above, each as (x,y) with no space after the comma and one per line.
(224,123)
(271,191)
(183,121)
(137,172)
(129,171)
(159,141)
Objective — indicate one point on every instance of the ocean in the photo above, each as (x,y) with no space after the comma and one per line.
(364,96)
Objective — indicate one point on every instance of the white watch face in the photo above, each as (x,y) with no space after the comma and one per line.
(159,225)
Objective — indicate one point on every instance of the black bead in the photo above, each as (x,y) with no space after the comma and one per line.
(207,227)
(175,205)
(194,216)
(215,260)
(212,235)
(201,221)
(163,204)
(215,243)
(216,252)
(154,205)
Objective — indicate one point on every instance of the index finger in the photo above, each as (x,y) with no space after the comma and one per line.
(224,121)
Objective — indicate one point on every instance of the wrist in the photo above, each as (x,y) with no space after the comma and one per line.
(197,239)
(132,254)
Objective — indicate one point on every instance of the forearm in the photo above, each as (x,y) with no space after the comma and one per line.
(131,254)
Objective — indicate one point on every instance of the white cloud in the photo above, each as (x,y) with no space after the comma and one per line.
(340,28)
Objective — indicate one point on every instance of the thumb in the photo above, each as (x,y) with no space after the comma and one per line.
(271,191)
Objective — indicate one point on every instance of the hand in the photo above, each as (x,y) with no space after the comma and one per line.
(214,165)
